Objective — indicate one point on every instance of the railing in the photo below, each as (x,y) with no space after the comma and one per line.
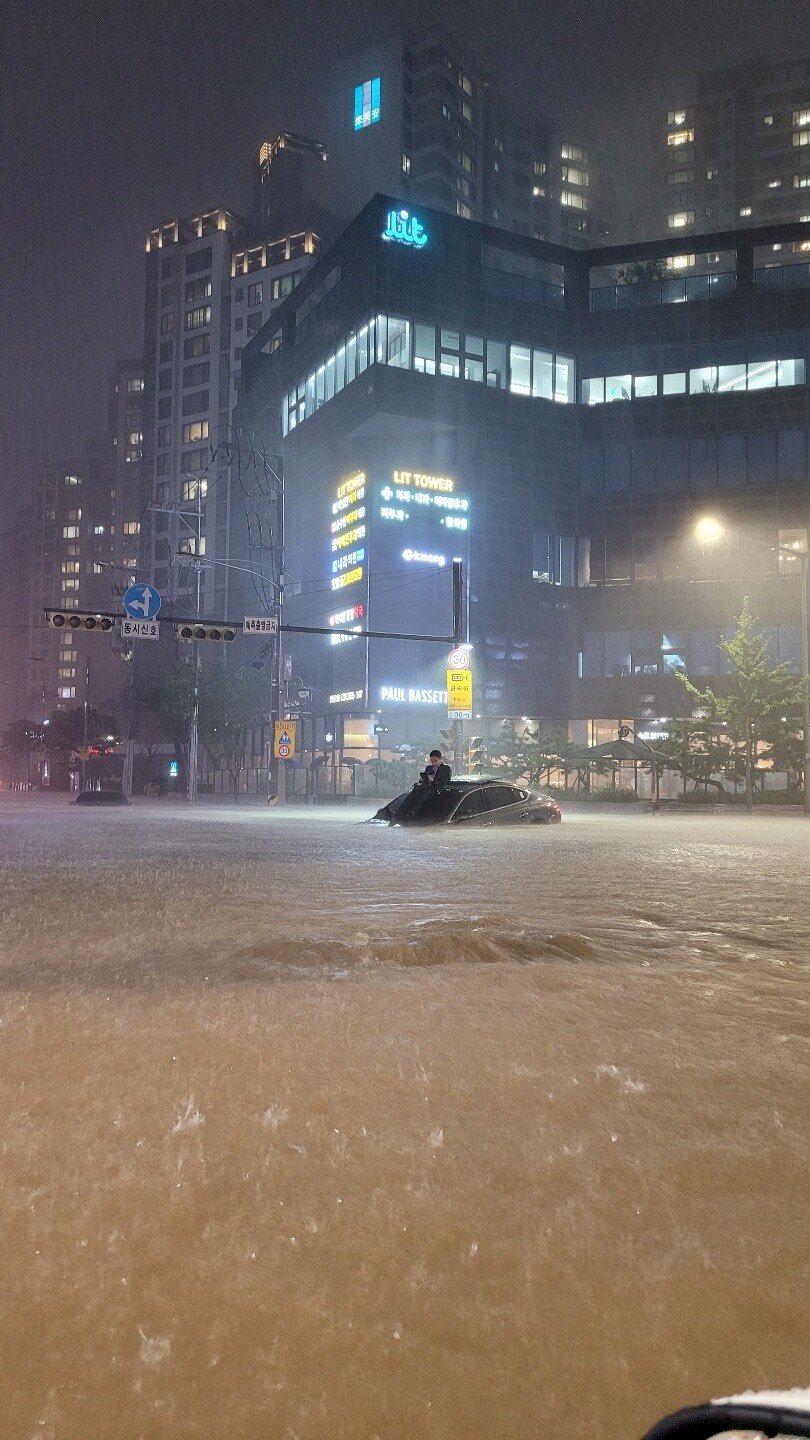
(783,277)
(675,291)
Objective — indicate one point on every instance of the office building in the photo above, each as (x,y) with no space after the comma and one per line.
(211,283)
(412,114)
(442,389)
(735,152)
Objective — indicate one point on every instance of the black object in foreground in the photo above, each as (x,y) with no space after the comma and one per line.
(469,802)
(766,1414)
(101,797)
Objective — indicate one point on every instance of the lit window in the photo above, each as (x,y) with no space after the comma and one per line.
(801,182)
(679,219)
(573,175)
(676,117)
(593,391)
(71,480)
(794,541)
(645,386)
(538,191)
(367,103)
(67,692)
(703,380)
(618,387)
(674,383)
(801,137)
(762,375)
(680,262)
(572,152)
(767,119)
(573,200)
(680,137)
(406,164)
(801,117)
(520,370)
(195,431)
(424,349)
(70,532)
(774,184)
(463,210)
(131,527)
(98,529)
(745,211)
(200,315)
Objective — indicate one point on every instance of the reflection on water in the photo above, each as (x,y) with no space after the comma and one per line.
(314,1130)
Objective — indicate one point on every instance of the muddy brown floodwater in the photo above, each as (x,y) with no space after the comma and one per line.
(314,1131)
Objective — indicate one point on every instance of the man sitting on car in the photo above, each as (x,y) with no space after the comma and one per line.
(436,772)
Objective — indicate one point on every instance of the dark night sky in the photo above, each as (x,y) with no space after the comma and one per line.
(115,116)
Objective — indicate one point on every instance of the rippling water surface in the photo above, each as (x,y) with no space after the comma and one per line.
(316,1131)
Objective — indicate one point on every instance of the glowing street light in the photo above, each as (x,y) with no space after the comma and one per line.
(708,530)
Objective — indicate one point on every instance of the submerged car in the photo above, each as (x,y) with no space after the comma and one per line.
(469,802)
(101,797)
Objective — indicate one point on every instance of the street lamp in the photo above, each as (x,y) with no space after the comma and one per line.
(709,530)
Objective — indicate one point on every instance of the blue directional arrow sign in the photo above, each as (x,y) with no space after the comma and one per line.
(142,602)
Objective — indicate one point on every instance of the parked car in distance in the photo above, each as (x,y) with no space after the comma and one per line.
(101,797)
(471,801)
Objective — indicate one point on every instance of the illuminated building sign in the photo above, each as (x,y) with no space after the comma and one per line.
(367,103)
(343,639)
(411,695)
(345,617)
(348,487)
(349,537)
(340,582)
(423,482)
(423,557)
(350,517)
(345,562)
(403,227)
(344,695)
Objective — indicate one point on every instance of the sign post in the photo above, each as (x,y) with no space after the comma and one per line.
(284,738)
(459,700)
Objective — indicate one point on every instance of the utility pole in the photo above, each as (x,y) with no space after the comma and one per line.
(84,727)
(191,779)
(277,705)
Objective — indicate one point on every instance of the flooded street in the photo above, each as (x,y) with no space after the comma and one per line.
(318,1131)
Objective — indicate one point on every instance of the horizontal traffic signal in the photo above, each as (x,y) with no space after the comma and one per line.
(206,632)
(78,620)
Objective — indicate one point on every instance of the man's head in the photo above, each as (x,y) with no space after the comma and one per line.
(435,757)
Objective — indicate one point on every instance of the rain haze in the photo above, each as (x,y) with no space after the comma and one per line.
(404,720)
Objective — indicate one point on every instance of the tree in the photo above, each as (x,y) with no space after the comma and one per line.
(68,729)
(229,703)
(757,697)
(163,701)
(641,272)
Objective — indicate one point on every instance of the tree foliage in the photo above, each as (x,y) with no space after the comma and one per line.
(229,703)
(755,702)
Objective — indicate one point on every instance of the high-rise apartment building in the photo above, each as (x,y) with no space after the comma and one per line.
(81,547)
(413,115)
(211,283)
(290,183)
(736,151)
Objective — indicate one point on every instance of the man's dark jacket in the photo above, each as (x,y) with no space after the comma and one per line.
(442,777)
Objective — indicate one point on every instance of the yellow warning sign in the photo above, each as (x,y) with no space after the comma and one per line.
(284,739)
(459,693)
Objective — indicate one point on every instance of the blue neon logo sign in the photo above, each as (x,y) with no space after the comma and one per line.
(403,227)
(366,103)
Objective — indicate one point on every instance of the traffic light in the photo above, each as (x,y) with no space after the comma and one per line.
(476,758)
(447,740)
(206,632)
(78,620)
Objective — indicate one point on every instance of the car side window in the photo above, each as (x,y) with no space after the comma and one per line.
(496,796)
(472,804)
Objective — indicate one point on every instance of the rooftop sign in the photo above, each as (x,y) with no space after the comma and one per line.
(403,227)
